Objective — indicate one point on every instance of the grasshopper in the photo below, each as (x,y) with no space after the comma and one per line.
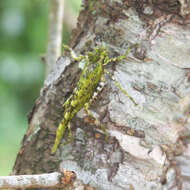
(90,77)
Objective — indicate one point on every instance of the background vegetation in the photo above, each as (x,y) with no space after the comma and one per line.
(23,38)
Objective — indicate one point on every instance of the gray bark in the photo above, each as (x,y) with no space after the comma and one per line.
(148,146)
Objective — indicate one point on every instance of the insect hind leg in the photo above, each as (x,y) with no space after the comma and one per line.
(70,135)
(97,122)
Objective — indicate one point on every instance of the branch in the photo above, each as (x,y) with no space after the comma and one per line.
(70,16)
(54,34)
(54,179)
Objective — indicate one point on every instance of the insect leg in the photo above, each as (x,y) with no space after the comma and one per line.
(70,136)
(97,122)
(120,87)
(73,54)
(115,59)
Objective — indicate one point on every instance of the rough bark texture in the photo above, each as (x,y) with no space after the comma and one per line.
(148,146)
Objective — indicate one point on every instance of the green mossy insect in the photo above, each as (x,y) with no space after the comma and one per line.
(89,79)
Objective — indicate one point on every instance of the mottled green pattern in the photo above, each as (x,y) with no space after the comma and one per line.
(86,86)
(84,90)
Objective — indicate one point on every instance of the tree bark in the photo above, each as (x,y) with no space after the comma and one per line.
(148,146)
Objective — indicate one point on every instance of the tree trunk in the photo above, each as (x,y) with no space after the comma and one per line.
(148,146)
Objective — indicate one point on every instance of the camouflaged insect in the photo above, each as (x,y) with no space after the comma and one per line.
(84,90)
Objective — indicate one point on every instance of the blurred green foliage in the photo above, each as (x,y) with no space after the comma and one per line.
(23,38)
